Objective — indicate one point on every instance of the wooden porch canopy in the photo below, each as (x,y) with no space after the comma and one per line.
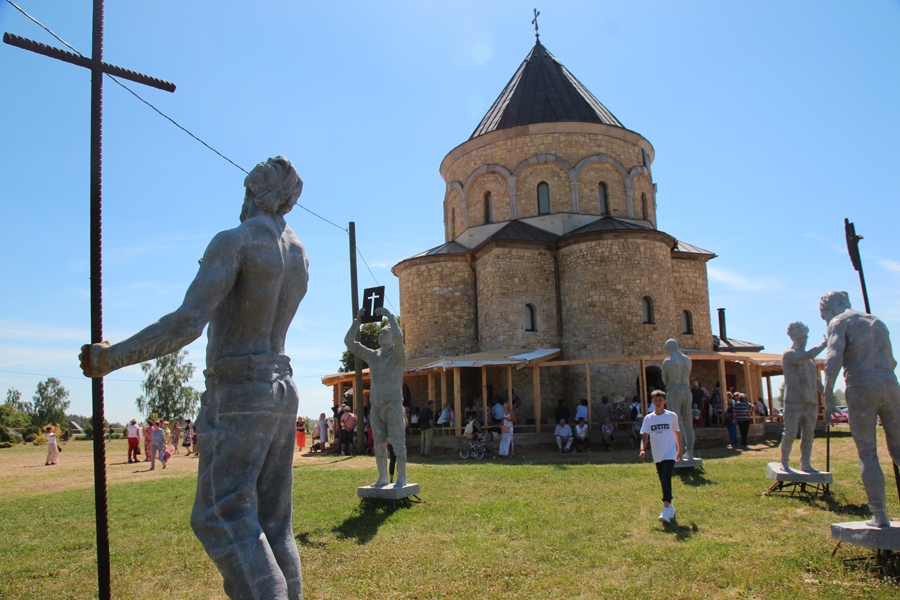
(504,357)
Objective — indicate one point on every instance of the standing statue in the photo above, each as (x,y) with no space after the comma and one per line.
(386,368)
(861,344)
(250,283)
(801,396)
(676,375)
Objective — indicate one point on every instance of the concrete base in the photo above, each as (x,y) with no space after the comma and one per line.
(857,532)
(689,464)
(776,472)
(388,492)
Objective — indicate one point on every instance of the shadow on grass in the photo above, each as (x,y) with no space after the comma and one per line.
(363,524)
(694,477)
(303,539)
(836,505)
(682,532)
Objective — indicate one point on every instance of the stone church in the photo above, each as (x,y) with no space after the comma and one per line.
(552,257)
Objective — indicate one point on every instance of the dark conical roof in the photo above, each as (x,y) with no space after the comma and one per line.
(543,91)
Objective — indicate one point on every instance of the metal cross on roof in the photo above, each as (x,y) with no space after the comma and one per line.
(98,68)
(534,22)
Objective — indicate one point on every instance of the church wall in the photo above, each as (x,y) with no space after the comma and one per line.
(641,185)
(589,190)
(499,189)
(453,214)
(557,181)
(602,283)
(572,147)
(508,279)
(437,306)
(692,293)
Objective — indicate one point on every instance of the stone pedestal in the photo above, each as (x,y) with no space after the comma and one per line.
(808,482)
(689,464)
(776,472)
(388,492)
(857,532)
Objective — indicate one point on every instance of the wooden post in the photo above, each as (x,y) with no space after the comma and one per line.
(457,401)
(443,396)
(771,401)
(536,393)
(509,388)
(587,386)
(724,384)
(484,400)
(642,383)
(749,391)
(431,386)
(358,399)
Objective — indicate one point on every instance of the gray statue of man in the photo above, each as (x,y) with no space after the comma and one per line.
(676,375)
(861,344)
(250,283)
(801,398)
(386,367)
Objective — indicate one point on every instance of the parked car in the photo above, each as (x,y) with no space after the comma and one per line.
(840,415)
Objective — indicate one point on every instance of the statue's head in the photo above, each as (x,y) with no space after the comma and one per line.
(671,346)
(274,186)
(832,304)
(385,336)
(797,331)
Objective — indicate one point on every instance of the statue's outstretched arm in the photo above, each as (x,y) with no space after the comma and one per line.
(218,270)
(354,346)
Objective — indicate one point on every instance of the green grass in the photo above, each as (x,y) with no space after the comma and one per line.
(539,526)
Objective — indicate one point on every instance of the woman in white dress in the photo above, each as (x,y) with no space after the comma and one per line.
(52,447)
(506,431)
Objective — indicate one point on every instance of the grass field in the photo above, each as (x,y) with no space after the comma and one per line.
(541,525)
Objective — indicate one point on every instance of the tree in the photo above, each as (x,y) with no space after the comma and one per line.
(166,392)
(49,404)
(14,399)
(368,337)
(10,418)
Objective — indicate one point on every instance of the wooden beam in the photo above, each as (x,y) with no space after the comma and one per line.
(724,383)
(769,390)
(642,384)
(536,393)
(587,386)
(443,393)
(457,400)
(431,386)
(484,400)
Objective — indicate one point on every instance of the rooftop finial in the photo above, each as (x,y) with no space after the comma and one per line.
(534,22)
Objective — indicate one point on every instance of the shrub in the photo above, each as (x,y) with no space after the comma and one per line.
(81,438)
(6,444)
(39,439)
(29,437)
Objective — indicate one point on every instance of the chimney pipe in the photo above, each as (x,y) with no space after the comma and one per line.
(722,335)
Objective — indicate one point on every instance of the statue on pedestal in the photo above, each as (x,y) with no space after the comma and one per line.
(861,344)
(801,398)
(250,283)
(386,367)
(676,375)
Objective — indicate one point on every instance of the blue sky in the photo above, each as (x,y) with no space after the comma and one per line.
(772,121)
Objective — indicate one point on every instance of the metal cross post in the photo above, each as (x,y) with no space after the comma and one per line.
(534,22)
(98,68)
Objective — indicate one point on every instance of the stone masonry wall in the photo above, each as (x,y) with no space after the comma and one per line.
(508,279)
(642,185)
(496,185)
(437,306)
(589,190)
(453,214)
(557,180)
(692,294)
(602,283)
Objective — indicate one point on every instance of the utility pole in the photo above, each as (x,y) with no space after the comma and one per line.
(98,68)
(358,393)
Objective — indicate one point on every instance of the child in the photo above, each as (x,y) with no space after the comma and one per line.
(660,428)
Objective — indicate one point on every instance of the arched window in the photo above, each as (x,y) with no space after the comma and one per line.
(604,202)
(687,322)
(644,206)
(488,208)
(452,223)
(647,310)
(530,318)
(543,198)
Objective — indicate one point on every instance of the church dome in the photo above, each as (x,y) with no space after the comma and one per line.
(542,90)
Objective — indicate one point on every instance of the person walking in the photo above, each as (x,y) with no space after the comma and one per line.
(176,437)
(742,410)
(188,436)
(506,431)
(148,440)
(158,442)
(660,429)
(301,433)
(425,428)
(52,446)
(133,432)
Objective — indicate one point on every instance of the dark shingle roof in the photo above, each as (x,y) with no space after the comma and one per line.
(448,248)
(607,224)
(732,345)
(517,231)
(543,91)
(689,249)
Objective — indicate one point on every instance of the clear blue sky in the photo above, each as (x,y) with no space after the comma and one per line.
(772,121)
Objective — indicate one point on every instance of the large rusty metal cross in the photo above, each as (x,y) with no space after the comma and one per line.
(98,68)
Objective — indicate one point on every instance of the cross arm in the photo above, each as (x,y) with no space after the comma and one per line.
(83,61)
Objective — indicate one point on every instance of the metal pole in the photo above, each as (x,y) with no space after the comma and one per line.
(358,403)
(96,213)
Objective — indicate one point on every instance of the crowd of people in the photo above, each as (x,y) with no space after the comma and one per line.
(160,441)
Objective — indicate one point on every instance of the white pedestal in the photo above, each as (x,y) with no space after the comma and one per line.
(857,532)
(775,471)
(388,492)
(689,464)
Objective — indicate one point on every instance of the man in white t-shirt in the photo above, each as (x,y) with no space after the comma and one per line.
(563,435)
(134,436)
(661,430)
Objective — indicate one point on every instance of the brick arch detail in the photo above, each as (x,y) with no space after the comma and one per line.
(489,168)
(601,158)
(543,157)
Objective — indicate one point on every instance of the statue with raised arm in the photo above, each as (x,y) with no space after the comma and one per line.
(801,396)
(861,344)
(386,367)
(249,285)
(676,375)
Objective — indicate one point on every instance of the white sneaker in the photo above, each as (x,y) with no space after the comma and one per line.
(664,516)
(671,510)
